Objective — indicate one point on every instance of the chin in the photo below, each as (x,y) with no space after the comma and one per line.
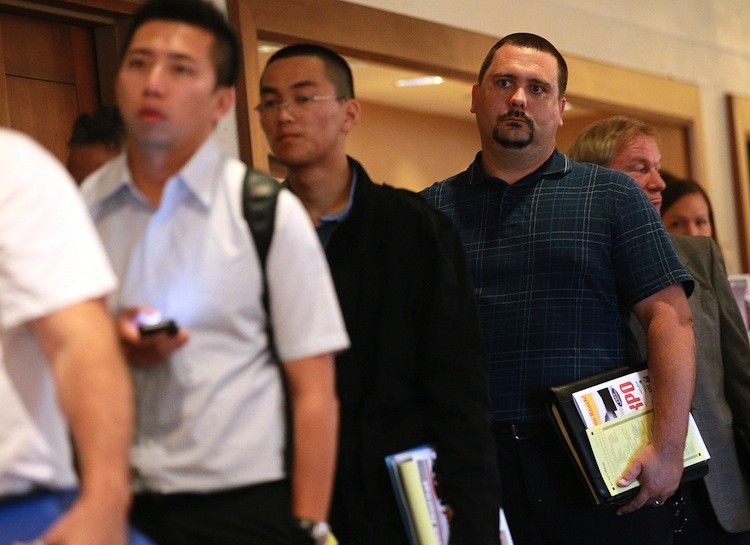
(290,160)
(153,141)
(513,143)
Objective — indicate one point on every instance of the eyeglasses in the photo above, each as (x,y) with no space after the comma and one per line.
(298,103)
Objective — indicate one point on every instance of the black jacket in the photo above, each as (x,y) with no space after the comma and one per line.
(416,371)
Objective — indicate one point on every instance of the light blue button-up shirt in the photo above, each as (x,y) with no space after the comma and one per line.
(211,417)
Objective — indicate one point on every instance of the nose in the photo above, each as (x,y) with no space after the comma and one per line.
(656,183)
(692,229)
(155,80)
(518,98)
(284,111)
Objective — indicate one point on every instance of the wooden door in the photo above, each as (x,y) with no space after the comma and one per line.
(47,77)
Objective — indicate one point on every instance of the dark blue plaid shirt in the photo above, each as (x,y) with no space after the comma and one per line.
(558,260)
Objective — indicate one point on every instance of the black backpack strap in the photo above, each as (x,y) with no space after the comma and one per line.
(260,193)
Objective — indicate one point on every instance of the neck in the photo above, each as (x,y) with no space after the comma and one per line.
(510,165)
(323,190)
(151,168)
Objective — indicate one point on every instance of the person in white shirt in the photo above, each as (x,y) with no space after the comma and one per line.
(61,369)
(208,460)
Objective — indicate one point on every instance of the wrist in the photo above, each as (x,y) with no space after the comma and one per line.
(112,492)
(317,530)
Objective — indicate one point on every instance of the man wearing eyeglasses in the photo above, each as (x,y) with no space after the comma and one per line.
(415,372)
(208,459)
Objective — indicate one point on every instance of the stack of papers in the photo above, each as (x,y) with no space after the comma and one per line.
(425,517)
(614,411)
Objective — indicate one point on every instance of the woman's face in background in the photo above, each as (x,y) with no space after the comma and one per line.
(689,216)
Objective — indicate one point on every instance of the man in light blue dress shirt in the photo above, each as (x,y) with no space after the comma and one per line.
(208,459)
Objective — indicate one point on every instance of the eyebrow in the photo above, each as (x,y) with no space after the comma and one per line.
(504,76)
(173,56)
(643,159)
(296,86)
(535,81)
(541,82)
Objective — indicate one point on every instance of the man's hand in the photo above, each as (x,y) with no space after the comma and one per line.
(146,351)
(659,474)
(91,521)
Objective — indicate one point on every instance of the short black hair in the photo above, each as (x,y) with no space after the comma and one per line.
(336,67)
(103,126)
(532,41)
(204,15)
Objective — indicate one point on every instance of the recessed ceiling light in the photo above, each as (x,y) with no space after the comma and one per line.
(419,82)
(268,48)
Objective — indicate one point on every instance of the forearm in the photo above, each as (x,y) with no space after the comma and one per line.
(95,394)
(668,323)
(671,352)
(315,429)
(315,424)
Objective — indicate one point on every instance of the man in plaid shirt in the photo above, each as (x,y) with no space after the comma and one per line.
(559,252)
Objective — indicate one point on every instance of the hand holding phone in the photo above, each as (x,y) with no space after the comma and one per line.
(168,326)
(147,337)
(152,323)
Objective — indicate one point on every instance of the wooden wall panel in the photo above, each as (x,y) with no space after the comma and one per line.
(4,103)
(739,131)
(84,68)
(39,49)
(48,77)
(251,140)
(46,110)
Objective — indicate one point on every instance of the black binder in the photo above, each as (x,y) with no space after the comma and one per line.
(572,430)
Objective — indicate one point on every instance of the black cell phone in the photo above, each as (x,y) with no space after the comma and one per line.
(167,326)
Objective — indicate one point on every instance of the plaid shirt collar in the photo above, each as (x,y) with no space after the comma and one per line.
(557,166)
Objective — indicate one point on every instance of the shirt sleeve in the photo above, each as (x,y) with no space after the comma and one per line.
(51,254)
(643,257)
(307,320)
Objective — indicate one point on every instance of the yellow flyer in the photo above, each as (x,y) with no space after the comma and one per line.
(615,443)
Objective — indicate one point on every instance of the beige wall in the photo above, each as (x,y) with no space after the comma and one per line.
(413,150)
(407,42)
(702,42)
(409,149)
